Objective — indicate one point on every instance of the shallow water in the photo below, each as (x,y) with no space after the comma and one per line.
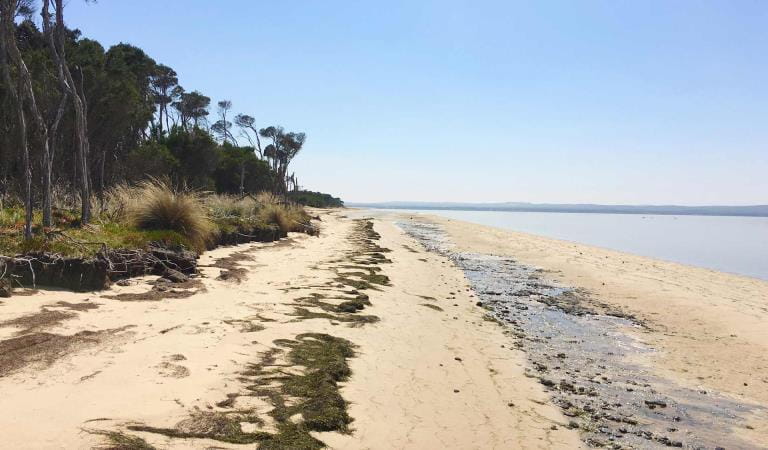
(729,244)
(588,361)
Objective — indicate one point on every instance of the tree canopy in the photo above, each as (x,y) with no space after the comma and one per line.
(77,118)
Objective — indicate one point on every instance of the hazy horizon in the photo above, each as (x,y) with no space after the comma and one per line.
(554,102)
(548,203)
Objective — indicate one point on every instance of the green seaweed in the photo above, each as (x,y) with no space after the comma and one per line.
(209,425)
(117,440)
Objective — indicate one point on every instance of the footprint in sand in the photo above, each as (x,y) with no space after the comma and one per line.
(171,370)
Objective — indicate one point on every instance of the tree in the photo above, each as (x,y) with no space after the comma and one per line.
(55,33)
(73,112)
(222,127)
(246,125)
(240,171)
(121,102)
(197,155)
(282,150)
(151,159)
(192,107)
(164,81)
(21,94)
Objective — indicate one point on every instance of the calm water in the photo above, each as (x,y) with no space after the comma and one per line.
(729,244)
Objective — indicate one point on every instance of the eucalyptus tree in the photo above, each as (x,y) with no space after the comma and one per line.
(54,31)
(176,94)
(122,103)
(223,127)
(21,93)
(247,126)
(192,107)
(164,81)
(282,150)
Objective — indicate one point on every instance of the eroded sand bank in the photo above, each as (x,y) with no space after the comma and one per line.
(428,370)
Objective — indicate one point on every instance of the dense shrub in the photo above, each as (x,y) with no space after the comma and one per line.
(315,199)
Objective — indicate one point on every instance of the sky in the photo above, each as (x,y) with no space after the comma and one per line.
(614,102)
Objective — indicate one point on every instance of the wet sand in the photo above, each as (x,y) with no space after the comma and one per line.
(593,359)
(702,333)
(709,326)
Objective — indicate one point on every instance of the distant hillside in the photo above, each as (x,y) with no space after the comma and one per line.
(751,211)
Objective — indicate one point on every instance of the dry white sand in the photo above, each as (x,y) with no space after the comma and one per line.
(422,377)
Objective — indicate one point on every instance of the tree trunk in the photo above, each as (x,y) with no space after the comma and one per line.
(66,81)
(160,123)
(101,179)
(48,156)
(9,53)
(167,126)
(14,91)
(27,174)
(242,178)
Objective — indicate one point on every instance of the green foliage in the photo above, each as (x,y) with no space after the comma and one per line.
(315,199)
(235,162)
(141,124)
(80,242)
(152,213)
(197,154)
(150,159)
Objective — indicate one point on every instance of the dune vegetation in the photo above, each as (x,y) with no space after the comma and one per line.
(152,213)
(102,148)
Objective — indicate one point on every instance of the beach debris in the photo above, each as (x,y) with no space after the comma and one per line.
(174,276)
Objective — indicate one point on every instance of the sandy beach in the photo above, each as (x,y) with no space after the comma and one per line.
(430,371)
(709,326)
(175,365)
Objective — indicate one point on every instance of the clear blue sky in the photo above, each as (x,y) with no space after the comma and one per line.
(560,101)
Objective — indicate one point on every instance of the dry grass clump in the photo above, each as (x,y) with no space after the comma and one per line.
(263,208)
(116,203)
(267,198)
(287,217)
(156,205)
(222,207)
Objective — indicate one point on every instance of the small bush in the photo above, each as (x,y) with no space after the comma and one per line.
(158,206)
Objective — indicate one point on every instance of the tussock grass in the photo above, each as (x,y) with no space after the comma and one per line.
(242,214)
(152,212)
(156,205)
(277,215)
(230,207)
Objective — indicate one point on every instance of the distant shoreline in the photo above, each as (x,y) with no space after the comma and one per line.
(671,210)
